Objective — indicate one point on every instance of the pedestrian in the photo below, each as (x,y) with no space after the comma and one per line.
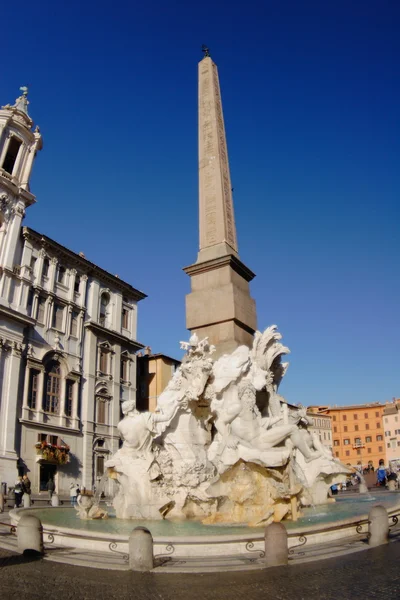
(381,475)
(73,493)
(50,487)
(26,482)
(19,492)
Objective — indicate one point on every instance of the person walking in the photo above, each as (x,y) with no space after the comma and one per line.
(19,492)
(50,488)
(73,493)
(26,483)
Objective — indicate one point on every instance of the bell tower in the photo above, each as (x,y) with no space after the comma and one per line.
(19,144)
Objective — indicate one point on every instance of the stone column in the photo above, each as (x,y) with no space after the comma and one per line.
(35,304)
(40,396)
(72,277)
(82,290)
(39,269)
(49,311)
(52,273)
(24,178)
(12,388)
(75,403)
(13,232)
(25,407)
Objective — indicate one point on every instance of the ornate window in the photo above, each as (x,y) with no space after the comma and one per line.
(101,411)
(100,466)
(58,317)
(61,274)
(46,266)
(69,397)
(125,318)
(103,361)
(41,309)
(104,302)
(124,367)
(74,323)
(11,155)
(104,358)
(33,389)
(29,303)
(52,388)
(77,284)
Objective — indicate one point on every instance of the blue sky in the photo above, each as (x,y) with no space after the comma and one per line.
(311,99)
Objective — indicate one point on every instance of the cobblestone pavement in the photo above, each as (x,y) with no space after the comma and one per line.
(372,573)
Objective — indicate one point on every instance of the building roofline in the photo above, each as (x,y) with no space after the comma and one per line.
(89,267)
(160,355)
(325,408)
(110,333)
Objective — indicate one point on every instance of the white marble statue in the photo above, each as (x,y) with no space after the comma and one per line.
(219,445)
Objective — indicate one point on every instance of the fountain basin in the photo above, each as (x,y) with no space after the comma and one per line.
(348,517)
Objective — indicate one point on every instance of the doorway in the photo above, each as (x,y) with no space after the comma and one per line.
(46,472)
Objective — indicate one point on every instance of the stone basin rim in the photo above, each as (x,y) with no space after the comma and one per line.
(16,513)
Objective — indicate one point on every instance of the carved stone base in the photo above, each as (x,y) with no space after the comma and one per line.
(219,306)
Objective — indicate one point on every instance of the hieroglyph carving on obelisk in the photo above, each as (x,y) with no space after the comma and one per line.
(217,221)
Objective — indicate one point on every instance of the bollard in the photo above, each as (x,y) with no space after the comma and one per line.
(26,500)
(276,545)
(30,534)
(141,550)
(55,501)
(378,526)
(391,485)
(1,503)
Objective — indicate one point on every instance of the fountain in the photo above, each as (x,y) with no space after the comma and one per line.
(223,446)
(223,456)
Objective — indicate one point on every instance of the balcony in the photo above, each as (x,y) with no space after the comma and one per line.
(57,455)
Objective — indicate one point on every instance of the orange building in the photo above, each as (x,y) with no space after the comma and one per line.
(154,371)
(357,432)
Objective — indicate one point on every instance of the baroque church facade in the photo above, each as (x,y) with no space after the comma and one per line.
(68,333)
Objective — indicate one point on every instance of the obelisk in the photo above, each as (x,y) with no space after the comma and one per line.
(219,306)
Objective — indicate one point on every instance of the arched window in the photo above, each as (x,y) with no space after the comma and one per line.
(52,388)
(104,302)
(11,154)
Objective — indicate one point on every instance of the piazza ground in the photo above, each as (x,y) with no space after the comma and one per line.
(369,574)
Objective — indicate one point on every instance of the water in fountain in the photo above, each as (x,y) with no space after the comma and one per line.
(303,480)
(100,488)
(363,488)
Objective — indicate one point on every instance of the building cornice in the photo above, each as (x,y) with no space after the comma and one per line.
(86,265)
(13,314)
(113,335)
(39,425)
(229,260)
